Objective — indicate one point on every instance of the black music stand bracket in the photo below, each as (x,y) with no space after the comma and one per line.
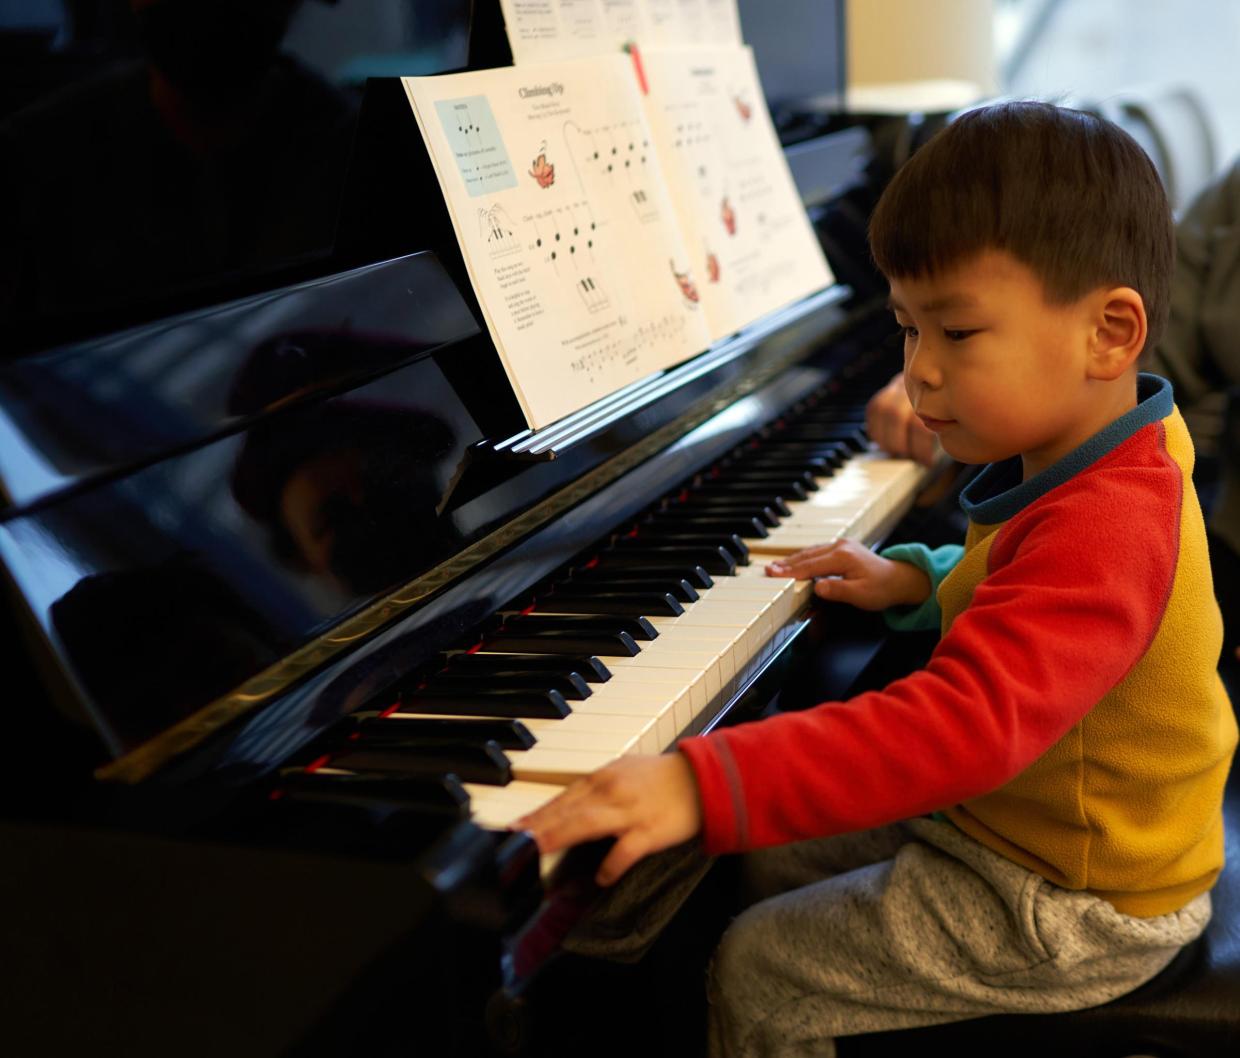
(607,425)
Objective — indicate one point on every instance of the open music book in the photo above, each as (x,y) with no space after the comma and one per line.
(617,213)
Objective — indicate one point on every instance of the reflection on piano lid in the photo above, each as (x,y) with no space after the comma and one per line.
(104,406)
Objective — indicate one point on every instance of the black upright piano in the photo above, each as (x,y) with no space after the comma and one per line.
(292,596)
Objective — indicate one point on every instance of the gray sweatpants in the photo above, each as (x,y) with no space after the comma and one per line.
(916,924)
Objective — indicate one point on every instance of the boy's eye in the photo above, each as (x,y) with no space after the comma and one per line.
(909,332)
(958,336)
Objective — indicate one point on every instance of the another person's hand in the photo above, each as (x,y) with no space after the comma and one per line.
(894,426)
(846,571)
(646,803)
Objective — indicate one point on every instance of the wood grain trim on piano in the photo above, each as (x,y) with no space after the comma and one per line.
(147,758)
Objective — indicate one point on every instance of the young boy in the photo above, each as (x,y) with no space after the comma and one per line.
(1033,821)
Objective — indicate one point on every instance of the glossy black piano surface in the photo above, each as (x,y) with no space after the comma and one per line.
(164,567)
(174,534)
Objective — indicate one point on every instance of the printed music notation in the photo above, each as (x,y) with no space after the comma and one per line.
(626,347)
(566,226)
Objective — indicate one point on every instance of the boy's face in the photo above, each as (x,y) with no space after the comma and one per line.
(992,367)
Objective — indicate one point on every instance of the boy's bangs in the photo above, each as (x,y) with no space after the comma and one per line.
(934,225)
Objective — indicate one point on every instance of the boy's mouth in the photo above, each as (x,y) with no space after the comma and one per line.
(935,424)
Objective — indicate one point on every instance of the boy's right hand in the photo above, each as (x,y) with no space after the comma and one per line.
(646,803)
(846,571)
(895,428)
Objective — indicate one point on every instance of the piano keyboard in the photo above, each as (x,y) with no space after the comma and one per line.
(643,643)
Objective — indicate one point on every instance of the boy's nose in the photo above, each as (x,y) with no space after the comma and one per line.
(922,367)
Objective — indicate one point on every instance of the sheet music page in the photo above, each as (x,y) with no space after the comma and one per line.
(750,242)
(547,30)
(566,226)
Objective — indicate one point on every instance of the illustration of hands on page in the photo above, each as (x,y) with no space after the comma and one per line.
(565,224)
(547,30)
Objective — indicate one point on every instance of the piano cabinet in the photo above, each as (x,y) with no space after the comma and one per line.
(304,632)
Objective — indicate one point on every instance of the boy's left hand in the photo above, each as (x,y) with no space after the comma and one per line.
(845,571)
(646,803)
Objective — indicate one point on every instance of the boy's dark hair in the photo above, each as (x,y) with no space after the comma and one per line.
(1069,195)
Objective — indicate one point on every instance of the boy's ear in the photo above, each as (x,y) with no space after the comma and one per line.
(1118,332)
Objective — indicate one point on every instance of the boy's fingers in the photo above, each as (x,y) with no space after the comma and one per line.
(552,816)
(829,588)
(837,558)
(923,444)
(598,806)
(630,848)
(805,552)
(890,420)
(588,821)
(808,562)
(887,432)
(838,589)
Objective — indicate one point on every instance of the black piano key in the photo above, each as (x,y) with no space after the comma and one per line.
(854,439)
(758,475)
(730,542)
(739,497)
(589,668)
(837,410)
(768,505)
(835,454)
(637,627)
(572,685)
(614,562)
(712,559)
(704,520)
(816,465)
(849,419)
(792,484)
(580,599)
(507,734)
(678,589)
(728,493)
(563,641)
(441,795)
(498,701)
(415,758)
(846,435)
(723,506)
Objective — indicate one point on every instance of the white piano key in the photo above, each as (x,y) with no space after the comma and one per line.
(669,656)
(550,765)
(603,724)
(743,587)
(735,626)
(499,806)
(860,501)
(641,725)
(670,702)
(618,742)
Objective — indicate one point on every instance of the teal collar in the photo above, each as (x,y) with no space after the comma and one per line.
(997,493)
